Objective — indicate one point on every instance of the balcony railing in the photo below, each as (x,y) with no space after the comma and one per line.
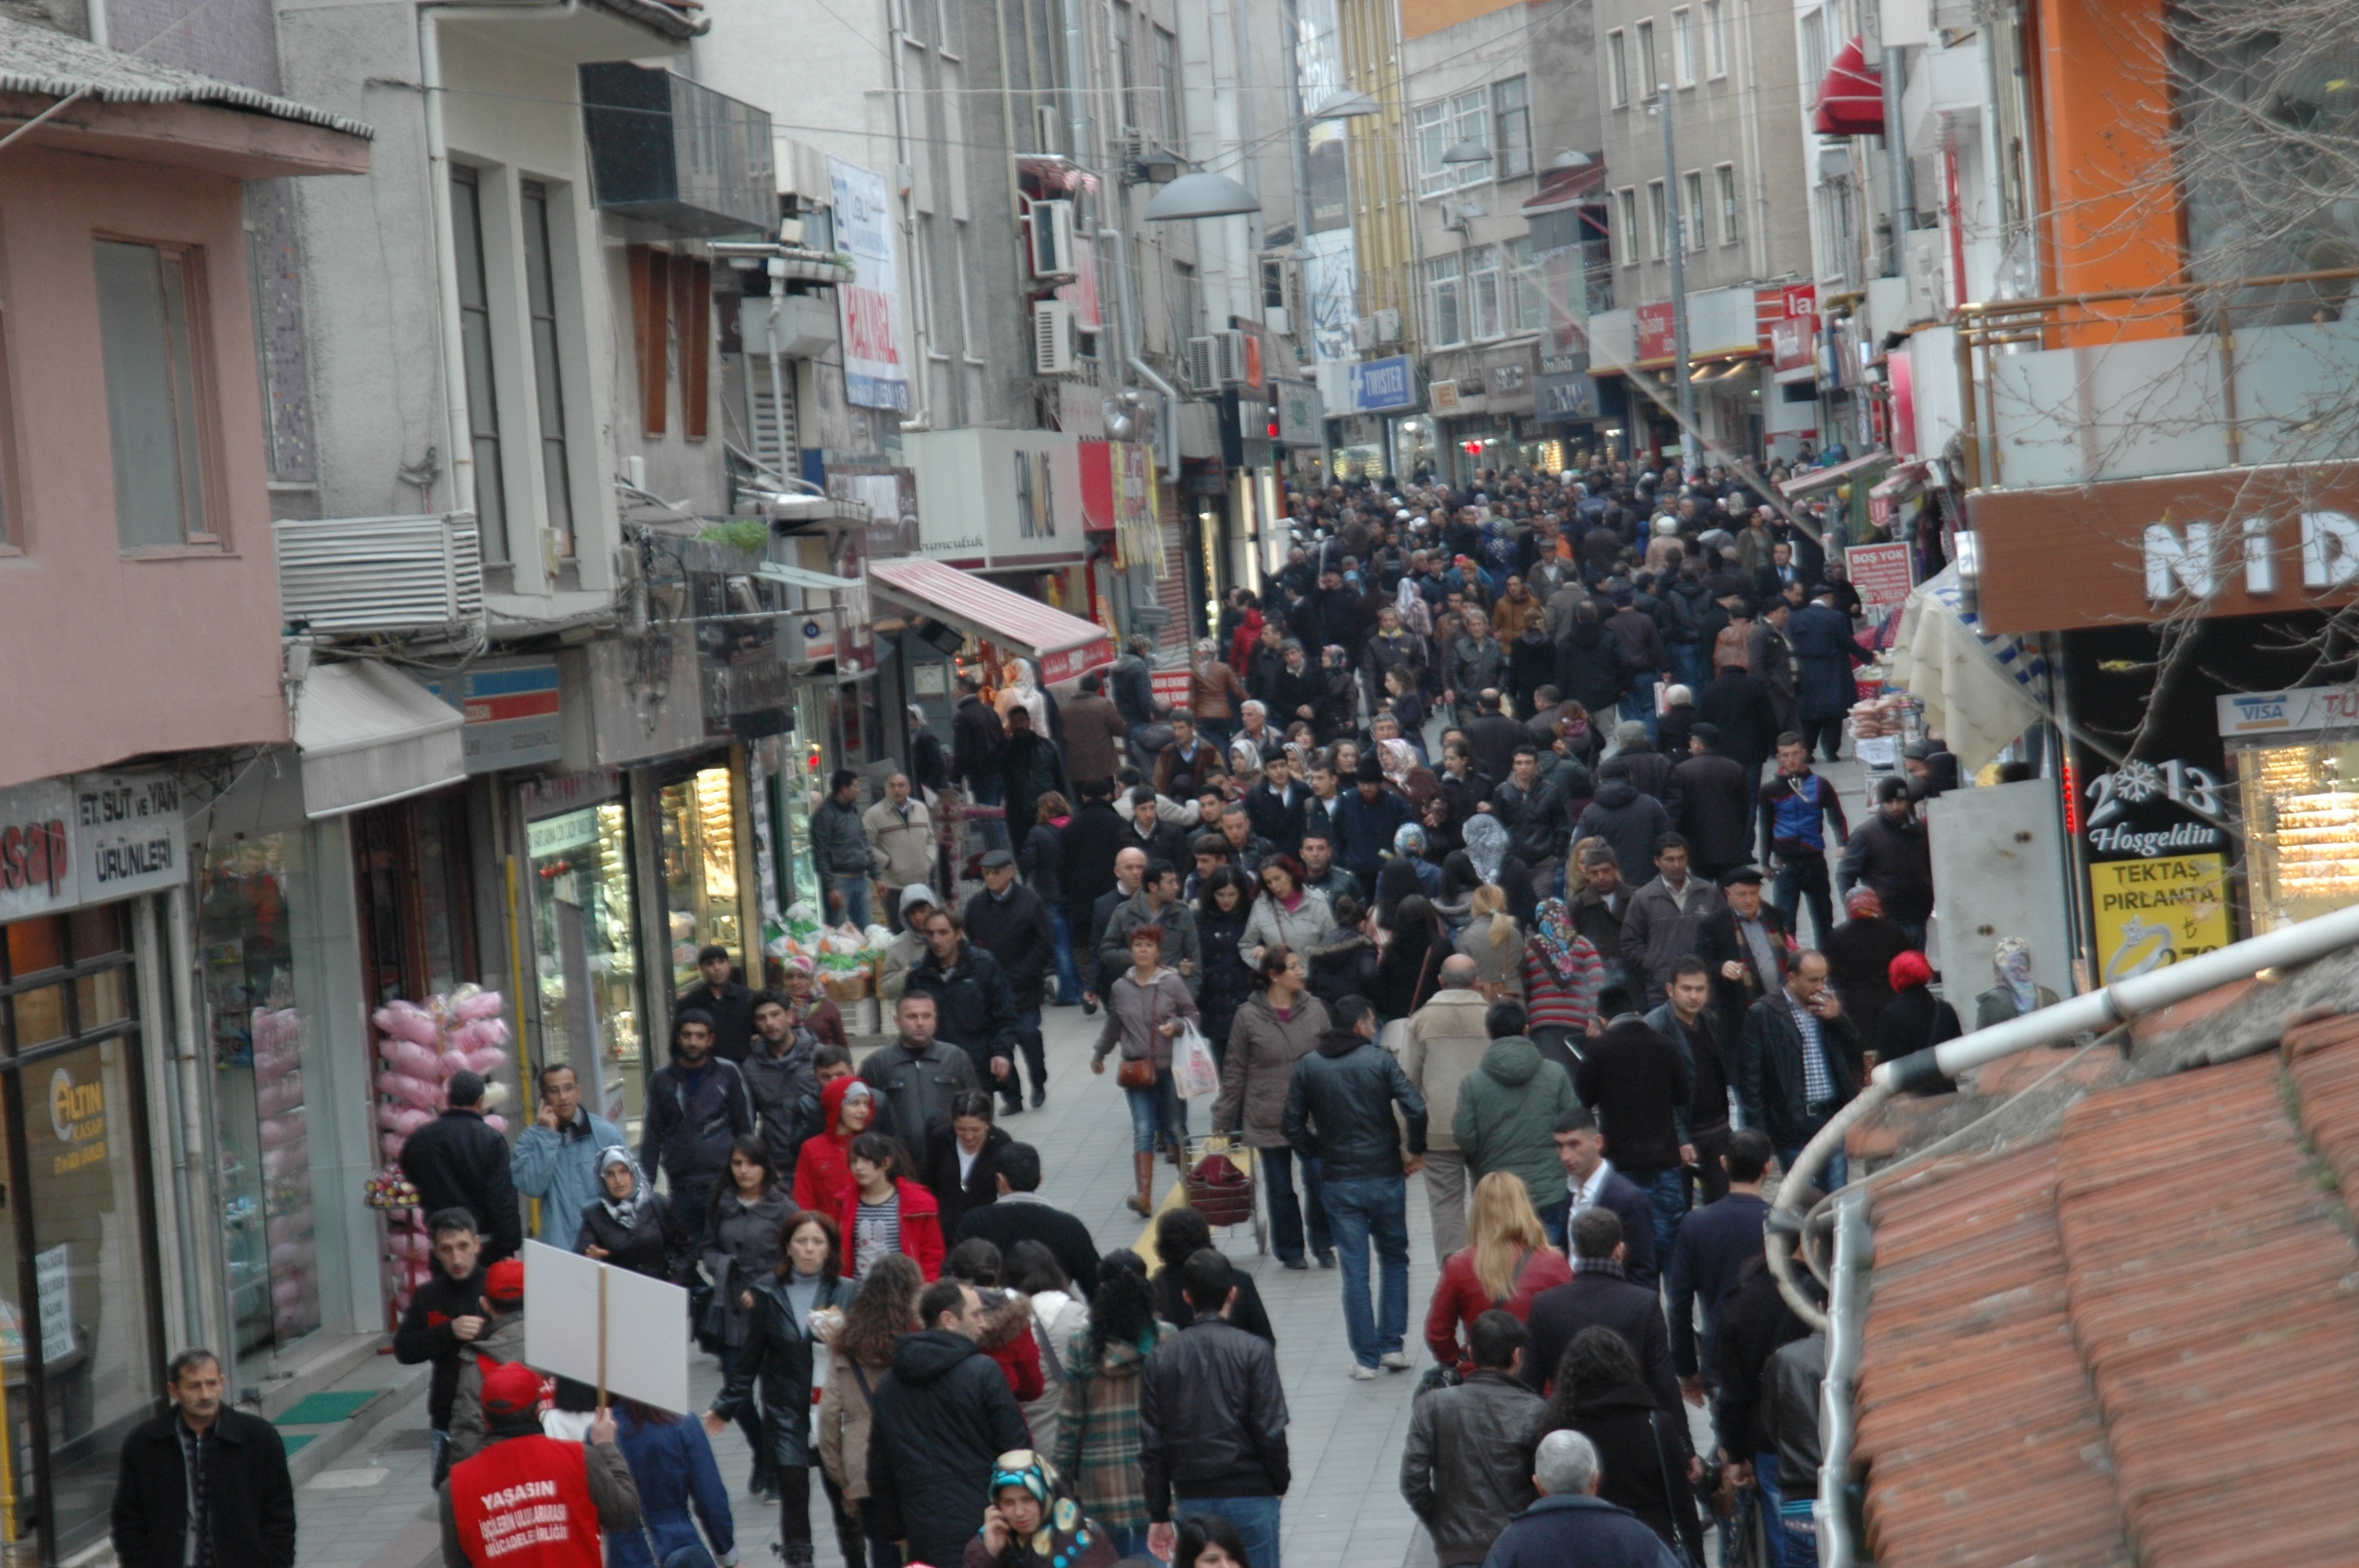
(2179,378)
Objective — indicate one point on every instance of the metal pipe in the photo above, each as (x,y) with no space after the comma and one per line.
(920,273)
(1167,434)
(1896,154)
(2093,1012)
(1854,1255)
(1077,114)
(1675,230)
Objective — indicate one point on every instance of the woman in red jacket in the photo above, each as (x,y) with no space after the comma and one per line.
(824,1168)
(1510,1263)
(886,1211)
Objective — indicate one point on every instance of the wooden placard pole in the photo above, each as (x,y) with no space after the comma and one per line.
(602,1342)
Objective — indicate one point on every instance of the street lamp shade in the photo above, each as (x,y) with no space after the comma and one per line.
(1467,151)
(1346,106)
(1202,195)
(1572,158)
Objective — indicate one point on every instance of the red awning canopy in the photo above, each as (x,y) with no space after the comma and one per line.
(1561,187)
(1066,648)
(1851,99)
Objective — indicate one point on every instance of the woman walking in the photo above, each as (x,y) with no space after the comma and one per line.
(1277,1026)
(1287,914)
(1221,909)
(801,1304)
(886,1211)
(1042,861)
(1144,1010)
(741,1231)
(1412,967)
(633,1226)
(1097,1430)
(861,1353)
(1495,942)
(1508,1262)
(1059,1312)
(1563,977)
(1642,1450)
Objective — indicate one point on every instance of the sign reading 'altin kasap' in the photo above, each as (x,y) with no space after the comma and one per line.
(2235,542)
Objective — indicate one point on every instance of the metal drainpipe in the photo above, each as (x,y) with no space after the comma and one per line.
(922,419)
(1077,114)
(1896,153)
(2096,1010)
(446,247)
(1854,1255)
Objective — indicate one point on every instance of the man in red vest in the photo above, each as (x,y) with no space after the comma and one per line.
(529,1500)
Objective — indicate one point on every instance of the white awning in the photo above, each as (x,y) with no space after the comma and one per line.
(1065,647)
(1980,690)
(803,576)
(368,735)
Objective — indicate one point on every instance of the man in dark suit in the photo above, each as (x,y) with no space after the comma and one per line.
(1715,1241)
(1591,1181)
(1600,1296)
(1022,1215)
(1799,1064)
(1149,831)
(1711,802)
(246,1511)
(1129,866)
(1746,945)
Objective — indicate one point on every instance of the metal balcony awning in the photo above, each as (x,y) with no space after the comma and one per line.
(369,735)
(1064,646)
(803,576)
(1816,480)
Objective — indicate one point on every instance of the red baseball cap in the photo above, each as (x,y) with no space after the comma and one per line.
(504,1282)
(510,1387)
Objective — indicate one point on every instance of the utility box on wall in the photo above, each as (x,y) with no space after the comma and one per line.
(1999,870)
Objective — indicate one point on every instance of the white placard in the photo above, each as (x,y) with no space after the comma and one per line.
(646,1326)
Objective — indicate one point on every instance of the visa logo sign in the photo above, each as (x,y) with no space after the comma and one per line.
(2272,711)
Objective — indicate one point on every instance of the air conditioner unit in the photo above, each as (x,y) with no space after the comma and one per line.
(1925,266)
(1363,333)
(1055,350)
(1388,327)
(1215,360)
(362,576)
(1052,240)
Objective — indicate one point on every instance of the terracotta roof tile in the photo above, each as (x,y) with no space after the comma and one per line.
(2140,1333)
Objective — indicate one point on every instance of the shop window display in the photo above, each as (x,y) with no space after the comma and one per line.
(700,870)
(586,941)
(269,1240)
(2301,809)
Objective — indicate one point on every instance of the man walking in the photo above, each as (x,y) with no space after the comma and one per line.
(840,850)
(1708,1040)
(1714,1242)
(697,1105)
(1597,907)
(1601,1294)
(941,1418)
(1824,652)
(1799,808)
(1447,1040)
(1021,1214)
(205,1486)
(1591,1181)
(901,841)
(528,1488)
(1713,799)
(1799,1064)
(444,1314)
(1010,921)
(1664,918)
(1466,1467)
(1094,732)
(1571,1523)
(1211,1420)
(780,1076)
(459,1161)
(974,1004)
(918,1073)
(1746,947)
(1639,1084)
(1340,1113)
(1157,903)
(555,1158)
(1892,854)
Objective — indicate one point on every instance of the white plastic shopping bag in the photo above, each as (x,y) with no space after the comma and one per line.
(1193,1072)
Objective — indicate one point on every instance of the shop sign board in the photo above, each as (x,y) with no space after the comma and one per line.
(1445,397)
(2154,912)
(1569,396)
(1174,687)
(645,701)
(891,497)
(1508,375)
(2307,710)
(1885,575)
(511,711)
(53,1283)
(875,374)
(2229,542)
(88,839)
(1383,387)
(1657,332)
(1299,418)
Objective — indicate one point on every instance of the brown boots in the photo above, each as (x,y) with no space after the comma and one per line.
(1143,1171)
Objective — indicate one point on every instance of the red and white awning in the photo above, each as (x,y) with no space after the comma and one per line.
(1064,646)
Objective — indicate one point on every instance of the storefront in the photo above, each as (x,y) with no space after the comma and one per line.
(2210,783)
(585,937)
(1376,431)
(84,1054)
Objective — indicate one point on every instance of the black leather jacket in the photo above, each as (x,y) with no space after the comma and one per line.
(1339,1109)
(1466,1468)
(1211,1417)
(775,1367)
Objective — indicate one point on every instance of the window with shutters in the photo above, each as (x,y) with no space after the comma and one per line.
(475,338)
(672,322)
(548,376)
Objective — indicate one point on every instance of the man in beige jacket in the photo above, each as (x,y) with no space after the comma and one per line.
(1446,1041)
(901,843)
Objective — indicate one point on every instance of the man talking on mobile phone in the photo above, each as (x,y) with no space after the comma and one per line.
(1800,1064)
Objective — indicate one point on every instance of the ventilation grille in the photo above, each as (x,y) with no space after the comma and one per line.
(367,575)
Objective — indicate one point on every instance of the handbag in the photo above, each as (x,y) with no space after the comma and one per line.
(1139,1072)
(1679,1497)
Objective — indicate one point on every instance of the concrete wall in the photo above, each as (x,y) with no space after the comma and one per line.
(108,655)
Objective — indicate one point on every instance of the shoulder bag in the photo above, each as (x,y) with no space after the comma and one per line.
(1138,1071)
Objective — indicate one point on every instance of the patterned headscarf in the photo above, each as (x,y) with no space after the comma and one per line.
(2012,960)
(1064,1536)
(1861,904)
(1486,845)
(1399,762)
(624,1210)
(1552,929)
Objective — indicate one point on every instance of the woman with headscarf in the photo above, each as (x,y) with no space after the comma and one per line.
(632,1225)
(1915,1019)
(1405,770)
(1563,977)
(1487,847)
(1412,962)
(1859,957)
(1033,1522)
(1021,688)
(2016,992)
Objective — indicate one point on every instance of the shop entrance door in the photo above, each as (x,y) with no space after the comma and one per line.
(410,860)
(82,1325)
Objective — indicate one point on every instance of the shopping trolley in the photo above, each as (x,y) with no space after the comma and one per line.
(1220,1186)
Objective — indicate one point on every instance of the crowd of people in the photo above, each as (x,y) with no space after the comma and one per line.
(1480,850)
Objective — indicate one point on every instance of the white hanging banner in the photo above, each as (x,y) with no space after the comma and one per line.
(874,374)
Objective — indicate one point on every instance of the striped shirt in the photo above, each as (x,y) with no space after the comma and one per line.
(1552,1003)
(875,1233)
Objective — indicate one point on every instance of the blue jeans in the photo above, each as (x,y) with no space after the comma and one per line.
(1255,1519)
(988,792)
(1803,877)
(1376,1210)
(1832,1176)
(1287,1212)
(1157,1110)
(1069,973)
(1690,661)
(1764,1477)
(1553,1220)
(1129,1542)
(1638,702)
(688,1206)
(1667,1197)
(855,898)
